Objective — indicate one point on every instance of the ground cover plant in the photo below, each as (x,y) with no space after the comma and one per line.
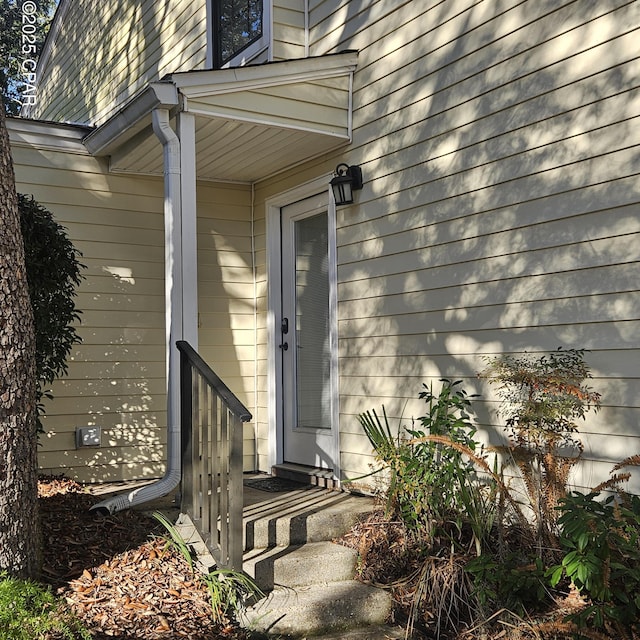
(490,542)
(30,611)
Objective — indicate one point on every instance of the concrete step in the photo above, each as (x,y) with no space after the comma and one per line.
(307,475)
(319,608)
(300,566)
(297,517)
(308,578)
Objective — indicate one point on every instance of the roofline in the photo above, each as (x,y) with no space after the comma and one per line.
(216,81)
(132,117)
(44,134)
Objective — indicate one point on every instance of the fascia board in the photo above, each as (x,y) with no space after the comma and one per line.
(200,83)
(46,135)
(131,118)
(281,124)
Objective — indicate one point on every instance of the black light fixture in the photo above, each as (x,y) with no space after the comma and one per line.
(347,180)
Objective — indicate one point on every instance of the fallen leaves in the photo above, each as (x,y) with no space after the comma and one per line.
(118,576)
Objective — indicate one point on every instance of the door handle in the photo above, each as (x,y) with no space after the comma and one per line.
(284,325)
(284,346)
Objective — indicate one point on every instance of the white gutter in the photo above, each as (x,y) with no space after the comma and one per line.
(174,321)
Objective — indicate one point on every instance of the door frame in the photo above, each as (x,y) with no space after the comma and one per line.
(273,206)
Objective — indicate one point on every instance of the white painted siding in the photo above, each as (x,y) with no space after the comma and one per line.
(500,212)
(105,52)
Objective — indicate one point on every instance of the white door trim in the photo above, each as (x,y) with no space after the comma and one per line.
(274,366)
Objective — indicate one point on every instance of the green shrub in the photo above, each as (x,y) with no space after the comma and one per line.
(601,544)
(428,482)
(516,582)
(29,611)
(53,274)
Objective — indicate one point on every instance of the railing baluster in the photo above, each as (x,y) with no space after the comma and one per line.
(235,492)
(212,420)
(215,477)
(224,485)
(206,467)
(196,446)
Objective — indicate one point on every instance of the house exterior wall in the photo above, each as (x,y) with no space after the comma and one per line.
(226,294)
(289,30)
(499,214)
(117,375)
(90,71)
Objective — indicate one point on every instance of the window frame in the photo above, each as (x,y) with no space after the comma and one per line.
(247,53)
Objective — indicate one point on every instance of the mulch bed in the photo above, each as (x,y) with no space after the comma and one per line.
(118,574)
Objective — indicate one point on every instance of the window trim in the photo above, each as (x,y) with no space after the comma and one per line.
(249,52)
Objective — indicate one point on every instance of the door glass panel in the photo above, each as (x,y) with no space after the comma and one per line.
(313,356)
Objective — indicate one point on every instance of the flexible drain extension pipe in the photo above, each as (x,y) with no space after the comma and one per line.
(172,215)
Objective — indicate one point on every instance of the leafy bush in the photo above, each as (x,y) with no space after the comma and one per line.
(601,542)
(515,582)
(428,480)
(53,274)
(29,611)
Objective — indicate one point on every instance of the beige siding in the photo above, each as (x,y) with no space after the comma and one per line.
(289,30)
(104,53)
(226,302)
(116,377)
(500,213)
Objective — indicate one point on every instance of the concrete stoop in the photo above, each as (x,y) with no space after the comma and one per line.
(309,579)
(319,608)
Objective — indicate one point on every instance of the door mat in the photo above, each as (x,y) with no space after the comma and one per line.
(274,485)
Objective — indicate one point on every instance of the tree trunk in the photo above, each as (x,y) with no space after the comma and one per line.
(19,523)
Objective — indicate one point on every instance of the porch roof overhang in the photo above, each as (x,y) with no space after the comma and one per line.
(250,122)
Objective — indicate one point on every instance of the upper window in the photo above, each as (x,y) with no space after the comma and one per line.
(238,30)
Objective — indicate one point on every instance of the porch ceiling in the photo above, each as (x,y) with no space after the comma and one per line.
(250,122)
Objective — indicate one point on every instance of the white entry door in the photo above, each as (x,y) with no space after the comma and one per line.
(306,337)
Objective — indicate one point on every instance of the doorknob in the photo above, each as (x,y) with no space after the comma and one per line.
(284,346)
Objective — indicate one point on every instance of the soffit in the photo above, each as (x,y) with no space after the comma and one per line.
(250,122)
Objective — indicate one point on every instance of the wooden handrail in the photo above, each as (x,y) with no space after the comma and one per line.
(211,427)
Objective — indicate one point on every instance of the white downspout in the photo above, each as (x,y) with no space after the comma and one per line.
(174,321)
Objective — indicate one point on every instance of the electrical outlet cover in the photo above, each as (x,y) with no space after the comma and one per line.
(88,437)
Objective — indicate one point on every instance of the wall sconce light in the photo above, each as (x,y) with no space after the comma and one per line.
(347,180)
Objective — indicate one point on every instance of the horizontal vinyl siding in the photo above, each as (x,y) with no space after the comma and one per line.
(501,209)
(116,376)
(226,298)
(106,52)
(289,30)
